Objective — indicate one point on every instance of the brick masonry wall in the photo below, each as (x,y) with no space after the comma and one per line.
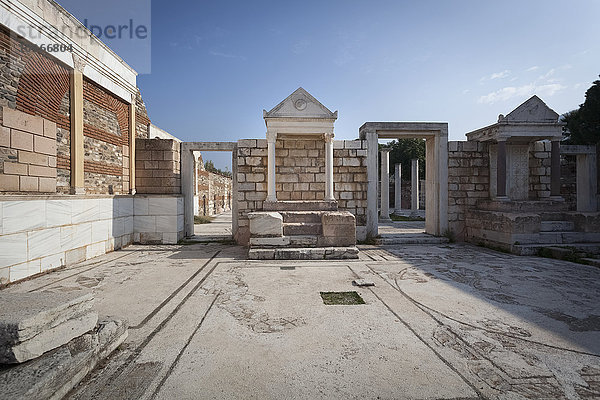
(157,166)
(468,181)
(142,122)
(27,153)
(300,168)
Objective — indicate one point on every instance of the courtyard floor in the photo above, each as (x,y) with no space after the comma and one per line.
(442,322)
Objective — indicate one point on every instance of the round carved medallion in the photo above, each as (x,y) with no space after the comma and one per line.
(300,104)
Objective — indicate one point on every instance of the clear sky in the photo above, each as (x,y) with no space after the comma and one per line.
(215,65)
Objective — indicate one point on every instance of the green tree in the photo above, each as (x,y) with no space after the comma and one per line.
(210,167)
(403,152)
(583,124)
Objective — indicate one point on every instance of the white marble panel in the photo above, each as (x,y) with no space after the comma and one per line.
(24,215)
(140,206)
(166,223)
(58,212)
(4,276)
(67,237)
(128,225)
(117,227)
(85,210)
(125,207)
(180,223)
(169,238)
(144,223)
(42,242)
(180,205)
(52,261)
(13,249)
(100,230)
(162,206)
(95,250)
(83,235)
(105,207)
(24,270)
(1,208)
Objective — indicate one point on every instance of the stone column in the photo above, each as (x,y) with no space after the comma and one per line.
(271,192)
(587,185)
(373,178)
(385,185)
(555,171)
(501,170)
(76,89)
(329,167)
(414,193)
(132,130)
(397,187)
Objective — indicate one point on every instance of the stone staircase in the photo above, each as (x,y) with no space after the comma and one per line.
(312,230)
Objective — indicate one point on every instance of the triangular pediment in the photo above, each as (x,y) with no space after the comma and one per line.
(300,104)
(533,110)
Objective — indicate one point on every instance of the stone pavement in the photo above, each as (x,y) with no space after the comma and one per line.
(218,230)
(442,322)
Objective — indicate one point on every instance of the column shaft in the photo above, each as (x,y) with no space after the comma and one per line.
(555,169)
(76,93)
(415,185)
(329,167)
(271,193)
(398,187)
(132,147)
(385,185)
(501,171)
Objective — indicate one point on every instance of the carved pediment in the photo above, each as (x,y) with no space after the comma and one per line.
(533,110)
(300,104)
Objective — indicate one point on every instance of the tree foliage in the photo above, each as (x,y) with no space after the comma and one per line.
(583,124)
(210,167)
(403,152)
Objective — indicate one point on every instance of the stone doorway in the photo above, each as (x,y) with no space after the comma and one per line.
(188,180)
(436,166)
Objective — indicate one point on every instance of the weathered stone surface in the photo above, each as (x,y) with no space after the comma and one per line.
(315,253)
(266,224)
(55,373)
(34,323)
(270,241)
(301,206)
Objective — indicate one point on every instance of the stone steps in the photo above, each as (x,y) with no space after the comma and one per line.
(314,253)
(557,226)
(533,249)
(301,228)
(311,217)
(554,238)
(304,205)
(523,206)
(409,239)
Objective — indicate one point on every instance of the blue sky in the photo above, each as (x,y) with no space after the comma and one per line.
(215,65)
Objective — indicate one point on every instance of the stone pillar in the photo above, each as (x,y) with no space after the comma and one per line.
(132,146)
(187,189)
(398,187)
(329,167)
(385,185)
(373,178)
(414,193)
(77,176)
(586,183)
(501,170)
(271,192)
(555,171)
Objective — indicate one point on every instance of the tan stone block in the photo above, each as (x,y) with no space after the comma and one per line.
(125,187)
(49,129)
(48,185)
(44,145)
(255,177)
(28,184)
(4,137)
(36,170)
(143,155)
(22,121)
(13,168)
(52,161)
(309,196)
(21,140)
(296,196)
(306,177)
(157,155)
(9,183)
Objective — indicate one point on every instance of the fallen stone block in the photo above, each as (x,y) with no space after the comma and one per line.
(34,323)
(55,373)
(266,224)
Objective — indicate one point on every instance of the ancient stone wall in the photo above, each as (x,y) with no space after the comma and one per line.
(539,170)
(568,180)
(157,167)
(300,175)
(27,153)
(468,181)
(214,194)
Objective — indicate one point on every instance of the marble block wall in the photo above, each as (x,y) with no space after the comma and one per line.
(41,233)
